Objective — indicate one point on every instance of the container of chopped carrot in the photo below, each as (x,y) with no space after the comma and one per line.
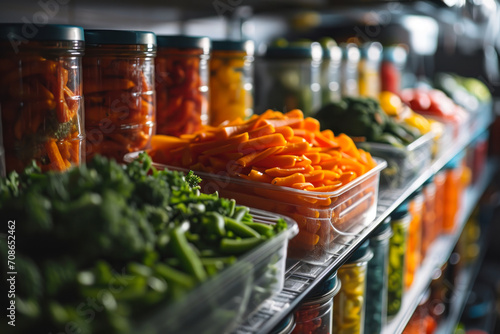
(282,163)
(41,96)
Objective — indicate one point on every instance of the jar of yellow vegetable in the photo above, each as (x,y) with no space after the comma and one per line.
(400,222)
(41,96)
(349,303)
(369,69)
(231,81)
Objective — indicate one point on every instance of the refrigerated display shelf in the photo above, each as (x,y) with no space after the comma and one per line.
(302,277)
(439,253)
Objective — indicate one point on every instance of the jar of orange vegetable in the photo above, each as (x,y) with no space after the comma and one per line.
(369,69)
(413,253)
(181,75)
(41,96)
(439,180)
(231,81)
(453,190)
(118,74)
(429,228)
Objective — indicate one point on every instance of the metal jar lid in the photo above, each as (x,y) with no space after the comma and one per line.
(120,37)
(50,32)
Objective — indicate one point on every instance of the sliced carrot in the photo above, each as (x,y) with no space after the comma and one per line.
(295,113)
(283,161)
(306,238)
(281,172)
(206,146)
(261,131)
(311,124)
(308,136)
(287,181)
(296,148)
(315,176)
(303,185)
(286,131)
(56,160)
(328,134)
(255,175)
(167,142)
(257,156)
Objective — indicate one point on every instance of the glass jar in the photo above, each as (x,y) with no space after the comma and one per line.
(453,190)
(421,320)
(439,179)
(330,73)
(349,303)
(41,96)
(400,221)
(314,315)
(391,70)
(181,77)
(118,83)
(289,78)
(285,327)
(413,254)
(231,81)
(429,228)
(376,287)
(369,70)
(350,70)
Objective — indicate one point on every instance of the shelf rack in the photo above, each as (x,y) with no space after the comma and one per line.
(302,277)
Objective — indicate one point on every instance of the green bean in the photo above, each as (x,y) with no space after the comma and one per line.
(260,228)
(239,213)
(240,229)
(190,261)
(235,246)
(175,276)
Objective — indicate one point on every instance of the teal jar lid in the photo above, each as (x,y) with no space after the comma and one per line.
(48,32)
(228,45)
(362,252)
(382,229)
(119,37)
(401,211)
(328,287)
(185,42)
(312,51)
(286,326)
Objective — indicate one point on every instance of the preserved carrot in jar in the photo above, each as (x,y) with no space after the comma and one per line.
(429,226)
(413,254)
(231,84)
(41,96)
(118,72)
(439,179)
(181,68)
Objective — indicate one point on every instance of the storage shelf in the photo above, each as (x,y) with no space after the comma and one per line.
(302,277)
(439,252)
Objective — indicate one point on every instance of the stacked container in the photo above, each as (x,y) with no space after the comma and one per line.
(231,81)
(413,255)
(118,83)
(41,96)
(349,303)
(181,76)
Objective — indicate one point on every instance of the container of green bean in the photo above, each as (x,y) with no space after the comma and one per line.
(349,303)
(376,287)
(400,222)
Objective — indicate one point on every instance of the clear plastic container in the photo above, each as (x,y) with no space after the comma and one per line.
(400,221)
(41,96)
(349,303)
(219,304)
(402,163)
(413,254)
(323,217)
(369,70)
(429,228)
(231,81)
(181,77)
(391,69)
(330,74)
(119,88)
(289,78)
(376,287)
(314,314)
(350,72)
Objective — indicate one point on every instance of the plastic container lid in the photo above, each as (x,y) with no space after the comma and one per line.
(49,32)
(360,253)
(286,326)
(296,51)
(382,229)
(184,42)
(327,287)
(121,37)
(401,211)
(394,54)
(228,45)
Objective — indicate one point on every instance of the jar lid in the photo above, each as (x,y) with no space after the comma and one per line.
(49,32)
(350,52)
(324,290)
(383,228)
(371,51)
(312,51)
(360,253)
(228,45)
(185,42)
(121,37)
(286,326)
(394,54)
(401,211)
(332,53)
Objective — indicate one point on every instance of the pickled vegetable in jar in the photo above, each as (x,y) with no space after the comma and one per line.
(350,71)
(413,254)
(400,221)
(429,228)
(330,72)
(181,76)
(349,303)
(369,69)
(231,81)
(453,191)
(391,70)
(439,180)
(376,286)
(41,96)
(118,74)
(289,78)
(314,315)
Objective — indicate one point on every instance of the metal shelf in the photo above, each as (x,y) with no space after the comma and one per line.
(302,277)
